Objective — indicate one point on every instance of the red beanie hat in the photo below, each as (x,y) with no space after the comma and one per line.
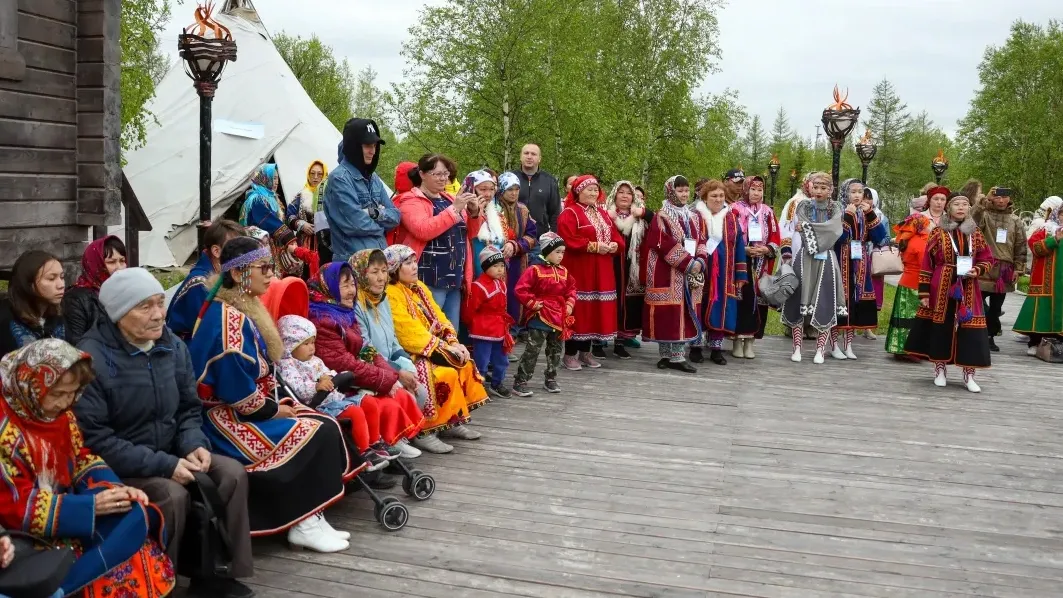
(402,179)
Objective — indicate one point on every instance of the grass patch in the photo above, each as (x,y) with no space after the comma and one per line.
(776,328)
(169,277)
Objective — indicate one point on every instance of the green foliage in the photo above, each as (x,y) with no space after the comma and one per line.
(143,65)
(329,82)
(1012,133)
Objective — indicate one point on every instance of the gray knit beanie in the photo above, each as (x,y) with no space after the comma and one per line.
(125,289)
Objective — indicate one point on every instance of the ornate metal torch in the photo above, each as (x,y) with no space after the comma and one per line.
(939,164)
(773,170)
(866,150)
(838,120)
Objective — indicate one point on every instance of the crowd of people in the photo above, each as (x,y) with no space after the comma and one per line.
(321,338)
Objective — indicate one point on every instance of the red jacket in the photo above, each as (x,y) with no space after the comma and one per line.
(485,309)
(339,347)
(419,225)
(547,291)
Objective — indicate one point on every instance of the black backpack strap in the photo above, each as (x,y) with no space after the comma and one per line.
(208,491)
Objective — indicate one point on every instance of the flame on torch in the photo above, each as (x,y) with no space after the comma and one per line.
(839,101)
(205,23)
(940,158)
(774,159)
(866,139)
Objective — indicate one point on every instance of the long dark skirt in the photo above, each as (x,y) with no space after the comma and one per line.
(312,479)
(965,347)
(863,315)
(752,317)
(629,316)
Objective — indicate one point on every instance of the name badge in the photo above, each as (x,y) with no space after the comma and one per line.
(320,222)
(690,245)
(756,232)
(1002,235)
(856,250)
(711,244)
(964,265)
(820,256)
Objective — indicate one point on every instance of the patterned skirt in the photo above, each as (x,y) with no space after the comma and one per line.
(905,304)
(945,343)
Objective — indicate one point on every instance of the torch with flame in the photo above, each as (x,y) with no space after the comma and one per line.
(940,158)
(206,46)
(205,23)
(840,102)
(866,139)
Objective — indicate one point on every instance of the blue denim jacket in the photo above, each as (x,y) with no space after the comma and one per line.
(347,201)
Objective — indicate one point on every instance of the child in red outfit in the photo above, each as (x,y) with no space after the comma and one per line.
(548,293)
(489,322)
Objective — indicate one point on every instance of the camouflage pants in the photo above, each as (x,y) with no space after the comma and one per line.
(536,339)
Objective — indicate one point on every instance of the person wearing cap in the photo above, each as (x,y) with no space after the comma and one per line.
(733,181)
(547,291)
(950,326)
(489,321)
(1006,235)
(357,205)
(143,416)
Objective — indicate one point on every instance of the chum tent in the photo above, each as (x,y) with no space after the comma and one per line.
(260,113)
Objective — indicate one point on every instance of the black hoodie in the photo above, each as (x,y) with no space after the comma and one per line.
(356,133)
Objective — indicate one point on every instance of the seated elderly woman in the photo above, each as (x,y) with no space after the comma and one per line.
(295,457)
(443,364)
(157,445)
(55,488)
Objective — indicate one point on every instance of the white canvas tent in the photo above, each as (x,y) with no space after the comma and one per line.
(257,92)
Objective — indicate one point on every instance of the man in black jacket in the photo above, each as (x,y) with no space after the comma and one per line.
(538,190)
(142,415)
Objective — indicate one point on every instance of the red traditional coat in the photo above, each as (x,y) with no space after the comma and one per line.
(584,229)
(673,303)
(485,310)
(546,291)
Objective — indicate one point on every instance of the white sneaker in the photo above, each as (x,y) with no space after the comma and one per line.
(796,357)
(972,385)
(406,451)
(836,353)
(462,432)
(311,534)
(939,380)
(432,444)
(335,532)
(871,336)
(1031,351)
(819,357)
(849,354)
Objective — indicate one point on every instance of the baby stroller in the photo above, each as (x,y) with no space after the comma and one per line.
(290,296)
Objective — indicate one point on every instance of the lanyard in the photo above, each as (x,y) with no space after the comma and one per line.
(955,249)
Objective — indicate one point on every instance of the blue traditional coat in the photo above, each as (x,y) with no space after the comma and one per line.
(238,388)
(863,228)
(184,307)
(726,275)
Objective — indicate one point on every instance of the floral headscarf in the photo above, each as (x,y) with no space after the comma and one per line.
(360,264)
(28,376)
(507,180)
(295,330)
(744,210)
(263,188)
(843,191)
(811,177)
(94,265)
(670,196)
(325,294)
(1043,214)
(397,255)
(581,183)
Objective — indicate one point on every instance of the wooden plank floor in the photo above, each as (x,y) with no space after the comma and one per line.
(845,479)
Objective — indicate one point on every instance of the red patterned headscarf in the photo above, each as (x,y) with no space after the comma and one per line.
(94,265)
(580,184)
(28,376)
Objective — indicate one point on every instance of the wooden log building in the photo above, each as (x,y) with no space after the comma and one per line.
(60,126)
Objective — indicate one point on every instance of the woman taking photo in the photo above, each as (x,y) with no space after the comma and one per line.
(760,230)
(591,241)
(632,219)
(912,236)
(444,366)
(437,227)
(56,489)
(31,310)
(288,450)
(950,326)
(81,305)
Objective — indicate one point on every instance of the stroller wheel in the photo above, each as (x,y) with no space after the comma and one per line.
(419,485)
(392,514)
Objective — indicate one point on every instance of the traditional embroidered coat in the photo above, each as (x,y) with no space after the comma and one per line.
(673,300)
(485,311)
(498,231)
(585,228)
(726,275)
(861,228)
(546,291)
(939,273)
(1042,311)
(184,307)
(770,237)
(819,301)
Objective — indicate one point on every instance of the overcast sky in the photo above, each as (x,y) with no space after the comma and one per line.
(774,53)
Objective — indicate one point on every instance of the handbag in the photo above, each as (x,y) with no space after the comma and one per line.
(34,573)
(1050,350)
(886,261)
(206,549)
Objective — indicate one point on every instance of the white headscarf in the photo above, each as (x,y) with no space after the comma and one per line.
(1040,217)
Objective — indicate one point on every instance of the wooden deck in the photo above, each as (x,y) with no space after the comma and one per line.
(844,479)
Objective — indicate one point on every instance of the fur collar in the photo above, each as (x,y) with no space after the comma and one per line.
(491,231)
(253,309)
(707,215)
(966,227)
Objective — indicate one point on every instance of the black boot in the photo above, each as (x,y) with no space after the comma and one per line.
(682,366)
(717,357)
(620,351)
(696,355)
(662,363)
(993,345)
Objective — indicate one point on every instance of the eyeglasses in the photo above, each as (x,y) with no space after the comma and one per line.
(445,174)
(266,269)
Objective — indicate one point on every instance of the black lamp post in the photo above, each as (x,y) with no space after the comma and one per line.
(939,164)
(838,120)
(206,47)
(773,170)
(866,150)
(793,182)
